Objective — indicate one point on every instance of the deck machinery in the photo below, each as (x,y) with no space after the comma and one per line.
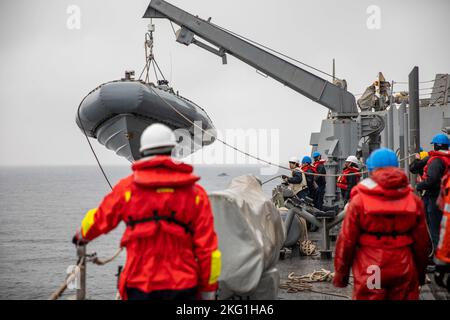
(349,129)
(343,132)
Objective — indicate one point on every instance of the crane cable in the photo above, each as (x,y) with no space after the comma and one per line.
(204,131)
(265,47)
(250,155)
(150,58)
(274,51)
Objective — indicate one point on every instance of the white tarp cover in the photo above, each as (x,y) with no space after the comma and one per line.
(250,232)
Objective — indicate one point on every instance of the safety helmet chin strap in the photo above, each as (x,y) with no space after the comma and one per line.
(438,146)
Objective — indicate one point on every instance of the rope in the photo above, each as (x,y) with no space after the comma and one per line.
(97,261)
(300,283)
(149,59)
(250,155)
(221,141)
(89,142)
(307,247)
(271,179)
(156,63)
(146,67)
(71,276)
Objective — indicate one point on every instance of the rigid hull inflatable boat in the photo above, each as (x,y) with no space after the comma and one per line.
(116,113)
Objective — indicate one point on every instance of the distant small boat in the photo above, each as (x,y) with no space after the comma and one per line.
(116,113)
(223,174)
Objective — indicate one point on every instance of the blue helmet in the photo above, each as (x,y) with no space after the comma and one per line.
(306,159)
(440,138)
(316,154)
(381,158)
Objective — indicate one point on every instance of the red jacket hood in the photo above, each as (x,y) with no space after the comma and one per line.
(163,171)
(387,182)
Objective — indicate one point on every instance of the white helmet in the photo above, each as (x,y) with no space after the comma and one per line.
(293,159)
(157,138)
(352,159)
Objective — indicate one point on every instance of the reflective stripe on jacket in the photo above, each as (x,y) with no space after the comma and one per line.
(297,187)
(342,181)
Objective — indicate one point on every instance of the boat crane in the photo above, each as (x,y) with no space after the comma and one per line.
(343,132)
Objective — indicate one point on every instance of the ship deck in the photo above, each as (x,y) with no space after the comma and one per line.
(325,290)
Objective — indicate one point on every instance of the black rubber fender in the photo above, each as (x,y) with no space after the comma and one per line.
(293,229)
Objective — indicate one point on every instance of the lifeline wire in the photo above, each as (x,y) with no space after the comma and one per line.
(55,295)
(149,60)
(406,82)
(91,258)
(222,141)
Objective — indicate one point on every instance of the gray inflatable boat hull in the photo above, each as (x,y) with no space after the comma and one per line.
(116,114)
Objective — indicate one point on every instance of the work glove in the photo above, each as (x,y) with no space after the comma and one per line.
(284,177)
(78,240)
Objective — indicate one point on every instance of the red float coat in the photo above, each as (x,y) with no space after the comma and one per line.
(170,239)
(444,155)
(384,226)
(443,247)
(342,181)
(317,163)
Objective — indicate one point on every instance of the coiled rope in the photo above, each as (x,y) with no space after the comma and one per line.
(298,283)
(307,247)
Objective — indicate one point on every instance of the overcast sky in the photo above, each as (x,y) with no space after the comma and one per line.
(46,68)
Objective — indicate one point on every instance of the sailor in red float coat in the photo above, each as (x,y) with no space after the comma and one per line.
(172,248)
(384,227)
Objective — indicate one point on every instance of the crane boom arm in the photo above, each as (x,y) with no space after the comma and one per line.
(315,88)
